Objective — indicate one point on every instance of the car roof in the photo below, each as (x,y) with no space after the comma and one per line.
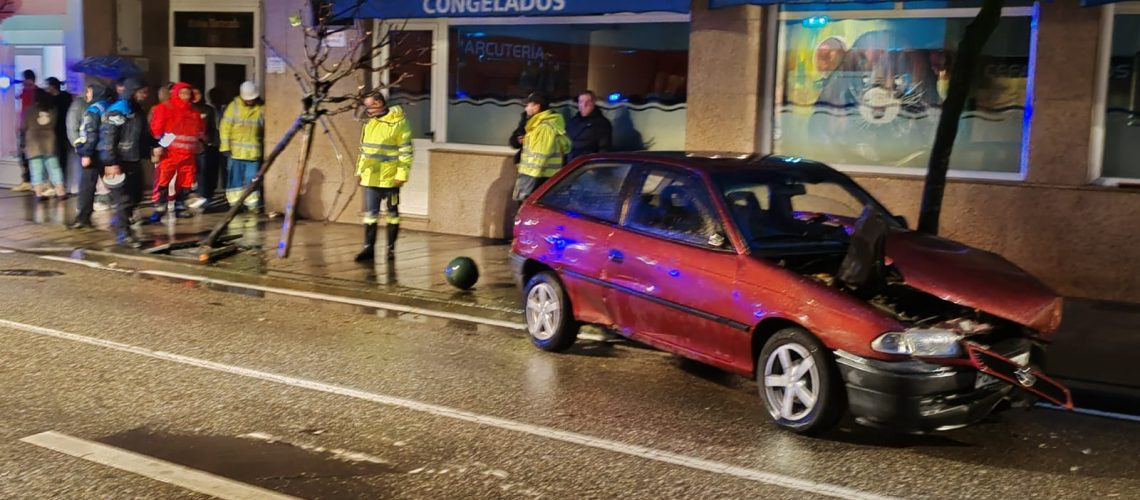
(713,162)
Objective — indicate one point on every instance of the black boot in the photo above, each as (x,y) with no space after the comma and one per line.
(393,231)
(368,253)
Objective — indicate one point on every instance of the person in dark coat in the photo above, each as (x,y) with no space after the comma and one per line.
(589,130)
(208,157)
(38,126)
(124,142)
(98,99)
(62,101)
(517,137)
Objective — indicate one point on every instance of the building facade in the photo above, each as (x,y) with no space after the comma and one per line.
(1044,168)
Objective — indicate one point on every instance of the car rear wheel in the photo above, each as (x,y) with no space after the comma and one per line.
(549,317)
(799,382)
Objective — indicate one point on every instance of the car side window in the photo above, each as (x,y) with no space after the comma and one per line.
(676,205)
(594,190)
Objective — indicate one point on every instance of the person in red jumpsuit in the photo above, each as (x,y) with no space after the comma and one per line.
(179,129)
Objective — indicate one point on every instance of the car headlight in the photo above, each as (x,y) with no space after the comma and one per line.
(922,343)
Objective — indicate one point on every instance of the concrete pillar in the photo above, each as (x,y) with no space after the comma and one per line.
(726,91)
(1063,88)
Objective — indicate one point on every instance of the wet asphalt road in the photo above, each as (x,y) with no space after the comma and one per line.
(569,425)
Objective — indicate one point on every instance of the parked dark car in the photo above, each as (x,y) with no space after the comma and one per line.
(784,270)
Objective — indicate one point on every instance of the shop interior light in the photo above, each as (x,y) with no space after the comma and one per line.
(816,21)
(5,83)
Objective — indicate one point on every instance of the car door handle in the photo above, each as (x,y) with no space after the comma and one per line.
(616,256)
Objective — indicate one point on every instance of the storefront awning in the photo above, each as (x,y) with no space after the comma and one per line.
(409,9)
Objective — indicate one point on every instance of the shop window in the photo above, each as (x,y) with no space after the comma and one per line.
(1122,104)
(637,70)
(867,92)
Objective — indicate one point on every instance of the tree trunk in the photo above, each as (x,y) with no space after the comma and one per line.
(294,195)
(969,53)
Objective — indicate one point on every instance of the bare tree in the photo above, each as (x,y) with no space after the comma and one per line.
(318,78)
(8,8)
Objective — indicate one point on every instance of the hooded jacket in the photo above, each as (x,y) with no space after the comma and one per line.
(385,150)
(177,116)
(123,132)
(243,130)
(544,145)
(90,118)
(39,125)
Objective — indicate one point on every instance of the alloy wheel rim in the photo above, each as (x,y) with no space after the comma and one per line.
(791,382)
(543,311)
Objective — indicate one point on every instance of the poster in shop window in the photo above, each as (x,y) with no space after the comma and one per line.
(869,92)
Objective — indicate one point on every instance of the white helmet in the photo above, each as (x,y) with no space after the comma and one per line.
(249,91)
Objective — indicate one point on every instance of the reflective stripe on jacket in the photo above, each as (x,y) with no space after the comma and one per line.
(385,150)
(242,130)
(544,145)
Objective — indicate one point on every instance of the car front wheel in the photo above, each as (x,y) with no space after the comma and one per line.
(549,317)
(799,383)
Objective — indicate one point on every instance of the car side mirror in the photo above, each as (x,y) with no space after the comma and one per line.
(901,220)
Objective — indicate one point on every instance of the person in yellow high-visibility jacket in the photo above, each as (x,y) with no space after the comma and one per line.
(384,164)
(242,136)
(543,146)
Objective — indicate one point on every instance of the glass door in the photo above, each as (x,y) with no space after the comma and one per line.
(226,73)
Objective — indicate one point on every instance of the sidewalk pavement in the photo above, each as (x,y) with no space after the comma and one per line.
(1094,352)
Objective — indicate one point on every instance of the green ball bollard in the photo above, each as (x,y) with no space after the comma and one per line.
(462,273)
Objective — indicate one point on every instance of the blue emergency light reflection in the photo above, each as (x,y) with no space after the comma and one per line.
(615,97)
(5,83)
(674,273)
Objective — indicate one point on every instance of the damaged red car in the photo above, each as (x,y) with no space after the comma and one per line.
(786,271)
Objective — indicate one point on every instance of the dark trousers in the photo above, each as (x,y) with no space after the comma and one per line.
(374,197)
(88,178)
(126,197)
(25,170)
(208,172)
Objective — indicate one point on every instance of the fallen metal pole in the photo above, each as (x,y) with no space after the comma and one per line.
(212,239)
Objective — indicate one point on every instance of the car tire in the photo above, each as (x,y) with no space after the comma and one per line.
(549,317)
(803,399)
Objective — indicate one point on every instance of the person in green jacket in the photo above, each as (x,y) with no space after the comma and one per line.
(544,145)
(241,140)
(384,164)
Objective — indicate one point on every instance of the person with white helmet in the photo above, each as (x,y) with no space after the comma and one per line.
(242,138)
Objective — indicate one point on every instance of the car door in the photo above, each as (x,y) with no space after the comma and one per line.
(578,216)
(671,269)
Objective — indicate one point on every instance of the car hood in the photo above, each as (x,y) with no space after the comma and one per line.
(974,278)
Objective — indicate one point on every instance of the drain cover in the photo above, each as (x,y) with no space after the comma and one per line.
(32,273)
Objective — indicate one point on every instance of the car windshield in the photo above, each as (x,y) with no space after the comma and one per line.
(781,209)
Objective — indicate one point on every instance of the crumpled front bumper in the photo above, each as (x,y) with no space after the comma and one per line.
(915,396)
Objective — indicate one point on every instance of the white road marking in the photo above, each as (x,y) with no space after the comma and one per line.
(153,468)
(93,265)
(303,294)
(759,476)
(1096,413)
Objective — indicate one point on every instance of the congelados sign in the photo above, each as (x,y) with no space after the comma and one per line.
(500,7)
(405,9)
